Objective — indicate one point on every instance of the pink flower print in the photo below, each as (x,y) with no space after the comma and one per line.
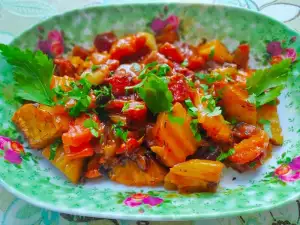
(12,150)
(290,172)
(153,201)
(140,199)
(173,20)
(4,143)
(291,53)
(295,164)
(158,24)
(12,156)
(53,45)
(274,48)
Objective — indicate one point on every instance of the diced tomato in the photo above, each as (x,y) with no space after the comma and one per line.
(59,110)
(112,64)
(276,59)
(76,136)
(81,151)
(171,52)
(64,67)
(136,111)
(81,52)
(119,82)
(127,46)
(179,88)
(129,146)
(196,62)
(83,117)
(241,56)
(115,105)
(17,147)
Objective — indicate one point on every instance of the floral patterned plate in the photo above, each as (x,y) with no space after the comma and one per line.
(29,176)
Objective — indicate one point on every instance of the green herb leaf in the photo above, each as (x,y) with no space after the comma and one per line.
(93,126)
(94,68)
(252,99)
(119,131)
(267,126)
(190,82)
(163,70)
(53,148)
(194,128)
(32,74)
(125,107)
(267,84)
(212,53)
(148,66)
(185,63)
(175,119)
(211,108)
(192,110)
(209,78)
(225,155)
(204,87)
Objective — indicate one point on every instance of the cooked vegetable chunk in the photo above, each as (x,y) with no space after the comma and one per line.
(269,113)
(251,148)
(195,175)
(39,126)
(176,140)
(236,106)
(216,51)
(72,169)
(130,174)
(215,126)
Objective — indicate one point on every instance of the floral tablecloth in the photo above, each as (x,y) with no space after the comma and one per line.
(18,15)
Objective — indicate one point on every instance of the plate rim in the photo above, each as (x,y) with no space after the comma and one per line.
(116,214)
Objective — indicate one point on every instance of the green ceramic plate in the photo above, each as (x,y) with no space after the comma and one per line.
(39,183)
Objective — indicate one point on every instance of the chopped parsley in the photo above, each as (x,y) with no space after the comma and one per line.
(125,107)
(94,68)
(53,149)
(211,108)
(79,93)
(194,128)
(119,131)
(192,110)
(175,119)
(212,53)
(93,126)
(185,63)
(204,87)
(225,155)
(209,78)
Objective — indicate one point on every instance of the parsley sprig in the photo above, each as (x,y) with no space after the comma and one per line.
(266,85)
(211,109)
(79,93)
(93,126)
(32,73)
(153,88)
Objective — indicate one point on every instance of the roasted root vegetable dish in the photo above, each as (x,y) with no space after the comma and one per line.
(149,110)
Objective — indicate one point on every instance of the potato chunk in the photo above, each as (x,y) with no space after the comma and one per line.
(216,50)
(195,176)
(130,174)
(39,126)
(269,112)
(236,106)
(175,141)
(215,126)
(72,169)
